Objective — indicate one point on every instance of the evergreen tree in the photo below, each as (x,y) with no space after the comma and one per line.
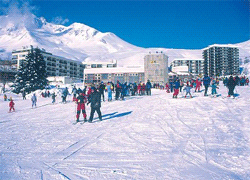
(20,78)
(33,73)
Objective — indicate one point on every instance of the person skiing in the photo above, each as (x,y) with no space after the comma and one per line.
(148,88)
(188,90)
(214,87)
(118,89)
(167,88)
(231,85)
(24,94)
(101,90)
(81,100)
(64,95)
(5,97)
(109,88)
(11,104)
(33,100)
(74,92)
(198,85)
(53,97)
(176,88)
(95,104)
(206,83)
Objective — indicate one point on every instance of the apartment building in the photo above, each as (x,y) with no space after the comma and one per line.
(221,60)
(55,65)
(156,67)
(195,66)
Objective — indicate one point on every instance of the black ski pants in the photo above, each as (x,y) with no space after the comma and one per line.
(98,110)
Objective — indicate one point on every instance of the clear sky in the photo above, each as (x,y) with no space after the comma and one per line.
(187,24)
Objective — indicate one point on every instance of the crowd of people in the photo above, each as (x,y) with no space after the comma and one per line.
(94,94)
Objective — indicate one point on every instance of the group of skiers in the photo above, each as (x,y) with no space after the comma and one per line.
(176,86)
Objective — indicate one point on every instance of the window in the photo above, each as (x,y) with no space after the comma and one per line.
(93,65)
(99,65)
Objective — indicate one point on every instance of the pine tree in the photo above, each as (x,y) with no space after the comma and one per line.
(33,73)
(20,78)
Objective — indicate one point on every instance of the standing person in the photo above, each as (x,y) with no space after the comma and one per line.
(167,88)
(74,92)
(95,104)
(214,87)
(53,97)
(24,94)
(231,85)
(5,97)
(198,85)
(118,88)
(206,83)
(101,90)
(148,88)
(109,89)
(33,100)
(171,85)
(247,81)
(64,95)
(11,104)
(188,90)
(81,100)
(181,85)
(176,88)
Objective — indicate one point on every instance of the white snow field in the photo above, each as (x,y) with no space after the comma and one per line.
(143,137)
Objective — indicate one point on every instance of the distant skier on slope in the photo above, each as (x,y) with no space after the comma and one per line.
(231,85)
(11,104)
(33,100)
(188,91)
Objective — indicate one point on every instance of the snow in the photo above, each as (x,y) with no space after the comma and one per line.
(143,137)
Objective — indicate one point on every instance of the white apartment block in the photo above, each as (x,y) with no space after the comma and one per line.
(221,60)
(55,65)
(89,65)
(156,67)
(195,66)
(123,74)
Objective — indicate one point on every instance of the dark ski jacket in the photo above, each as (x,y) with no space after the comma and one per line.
(206,80)
(95,99)
(81,98)
(231,83)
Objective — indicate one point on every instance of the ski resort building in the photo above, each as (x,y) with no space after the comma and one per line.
(156,68)
(90,65)
(221,60)
(55,65)
(123,74)
(195,66)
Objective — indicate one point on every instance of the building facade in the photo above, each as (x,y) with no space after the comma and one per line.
(156,68)
(221,60)
(195,66)
(129,75)
(55,65)
(89,65)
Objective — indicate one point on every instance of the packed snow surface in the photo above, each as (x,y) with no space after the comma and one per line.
(142,137)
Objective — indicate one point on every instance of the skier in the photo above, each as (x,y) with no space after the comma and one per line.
(176,88)
(33,100)
(148,88)
(81,100)
(74,92)
(101,90)
(24,94)
(109,88)
(53,97)
(95,101)
(5,97)
(167,88)
(117,90)
(247,81)
(11,104)
(231,85)
(198,85)
(188,91)
(206,83)
(214,87)
(64,94)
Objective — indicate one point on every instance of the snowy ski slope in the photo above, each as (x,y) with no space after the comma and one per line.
(143,137)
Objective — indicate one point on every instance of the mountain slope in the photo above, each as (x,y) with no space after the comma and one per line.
(80,42)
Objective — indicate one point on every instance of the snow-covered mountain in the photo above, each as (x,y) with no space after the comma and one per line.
(80,42)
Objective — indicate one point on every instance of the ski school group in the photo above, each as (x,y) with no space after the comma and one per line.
(94,94)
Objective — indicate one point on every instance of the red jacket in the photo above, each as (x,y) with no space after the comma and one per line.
(11,104)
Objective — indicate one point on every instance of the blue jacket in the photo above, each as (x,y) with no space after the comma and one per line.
(206,80)
(176,85)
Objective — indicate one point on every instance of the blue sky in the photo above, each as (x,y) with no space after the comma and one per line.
(186,24)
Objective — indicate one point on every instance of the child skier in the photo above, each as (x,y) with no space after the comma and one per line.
(81,100)
(188,91)
(11,104)
(214,87)
(34,100)
(176,88)
(5,97)
(109,88)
